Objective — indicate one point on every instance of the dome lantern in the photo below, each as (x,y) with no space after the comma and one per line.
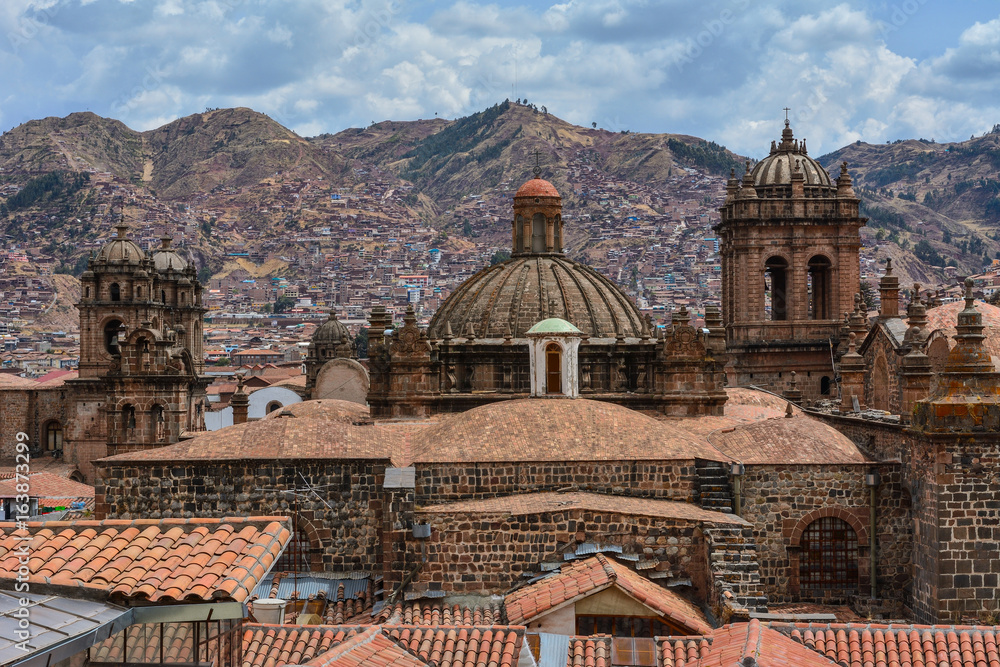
(537,225)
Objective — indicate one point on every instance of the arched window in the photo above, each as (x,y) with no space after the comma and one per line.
(158,424)
(138,292)
(819,288)
(87,293)
(53,437)
(273,405)
(111,332)
(128,416)
(553,369)
(824,385)
(518,234)
(163,296)
(538,233)
(829,560)
(116,292)
(776,287)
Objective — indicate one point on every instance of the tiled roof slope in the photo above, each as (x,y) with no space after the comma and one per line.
(796,440)
(585,577)
(456,646)
(488,611)
(875,645)
(146,559)
(324,408)
(280,438)
(945,317)
(371,648)
(556,430)
(769,648)
(47,485)
(537,503)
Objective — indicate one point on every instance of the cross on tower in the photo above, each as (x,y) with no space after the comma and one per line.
(786,110)
(538,169)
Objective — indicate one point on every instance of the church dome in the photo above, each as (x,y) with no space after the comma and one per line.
(772,176)
(121,250)
(537,187)
(331,331)
(166,259)
(511,297)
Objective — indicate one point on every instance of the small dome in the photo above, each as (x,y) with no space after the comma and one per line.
(537,187)
(793,441)
(166,259)
(331,331)
(121,250)
(553,325)
(556,430)
(513,296)
(775,171)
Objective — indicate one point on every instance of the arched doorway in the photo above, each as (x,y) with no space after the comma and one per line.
(553,369)
(829,560)
(538,233)
(776,287)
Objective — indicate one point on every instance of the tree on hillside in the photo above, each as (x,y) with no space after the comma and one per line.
(283,304)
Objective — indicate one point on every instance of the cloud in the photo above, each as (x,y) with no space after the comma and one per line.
(720,69)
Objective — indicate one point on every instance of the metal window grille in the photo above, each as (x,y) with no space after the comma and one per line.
(829,560)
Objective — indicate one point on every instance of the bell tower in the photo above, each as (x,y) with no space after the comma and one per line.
(537,226)
(789,244)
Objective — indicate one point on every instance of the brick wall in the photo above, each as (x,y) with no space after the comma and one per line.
(447,482)
(347,520)
(780,501)
(479,553)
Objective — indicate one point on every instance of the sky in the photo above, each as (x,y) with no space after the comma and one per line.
(723,70)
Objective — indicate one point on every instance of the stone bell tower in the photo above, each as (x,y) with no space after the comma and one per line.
(141,381)
(789,244)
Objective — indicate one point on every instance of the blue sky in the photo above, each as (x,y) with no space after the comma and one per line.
(718,69)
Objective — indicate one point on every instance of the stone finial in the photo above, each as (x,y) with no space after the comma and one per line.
(791,392)
(447,330)
(774,147)
(852,345)
(748,191)
(844,183)
(681,317)
(789,412)
(470,331)
(803,148)
(508,337)
(646,323)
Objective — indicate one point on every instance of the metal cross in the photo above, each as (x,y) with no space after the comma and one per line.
(786,110)
(538,169)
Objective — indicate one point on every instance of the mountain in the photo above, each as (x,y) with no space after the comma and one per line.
(937,204)
(447,160)
(189,156)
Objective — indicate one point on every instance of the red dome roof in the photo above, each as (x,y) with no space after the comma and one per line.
(537,187)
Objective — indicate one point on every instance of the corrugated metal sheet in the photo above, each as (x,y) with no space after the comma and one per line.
(550,567)
(310,585)
(423,595)
(632,558)
(552,650)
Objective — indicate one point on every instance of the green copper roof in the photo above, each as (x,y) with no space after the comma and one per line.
(553,325)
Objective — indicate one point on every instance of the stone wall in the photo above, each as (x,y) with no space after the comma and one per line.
(957,517)
(447,482)
(345,525)
(780,501)
(487,553)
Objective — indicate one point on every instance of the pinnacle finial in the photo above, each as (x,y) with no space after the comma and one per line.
(888,266)
(969,299)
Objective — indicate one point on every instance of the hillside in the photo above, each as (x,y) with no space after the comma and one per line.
(937,204)
(449,160)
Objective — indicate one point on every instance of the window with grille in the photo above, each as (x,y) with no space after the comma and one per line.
(622,626)
(829,560)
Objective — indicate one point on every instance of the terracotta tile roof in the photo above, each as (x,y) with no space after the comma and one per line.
(583,578)
(732,643)
(147,559)
(488,611)
(945,317)
(369,647)
(47,485)
(589,652)
(556,430)
(861,645)
(680,651)
(537,187)
(456,646)
(843,613)
(795,440)
(753,405)
(282,438)
(537,503)
(276,645)
(326,408)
